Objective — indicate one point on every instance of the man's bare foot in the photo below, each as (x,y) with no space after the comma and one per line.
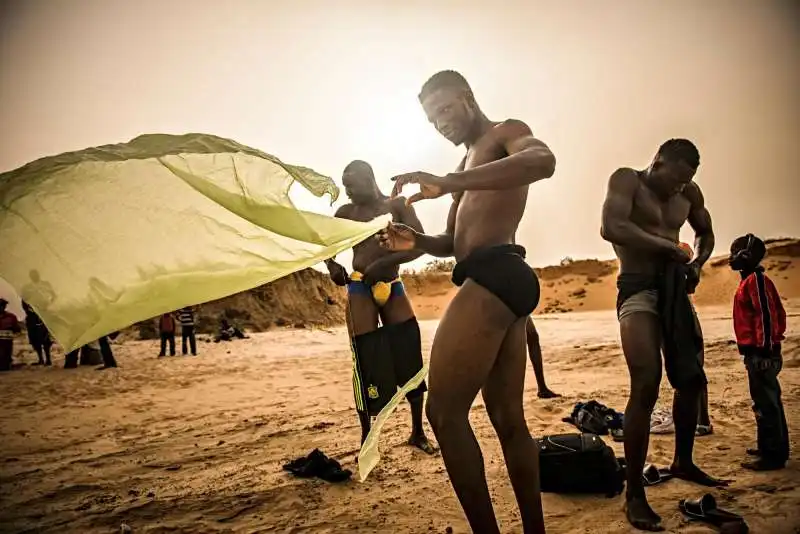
(692,473)
(641,516)
(547,394)
(421,442)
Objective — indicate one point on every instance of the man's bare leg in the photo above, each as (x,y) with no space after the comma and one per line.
(535,353)
(503,396)
(641,343)
(685,405)
(464,352)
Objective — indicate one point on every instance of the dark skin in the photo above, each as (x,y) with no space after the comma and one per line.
(480,344)
(642,217)
(535,354)
(377,264)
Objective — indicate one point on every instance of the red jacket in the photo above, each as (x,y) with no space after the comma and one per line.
(759,319)
(9,325)
(167,324)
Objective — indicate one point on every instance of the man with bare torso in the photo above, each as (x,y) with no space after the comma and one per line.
(387,357)
(480,342)
(642,217)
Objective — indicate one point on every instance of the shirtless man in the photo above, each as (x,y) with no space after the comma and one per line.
(388,357)
(642,217)
(480,342)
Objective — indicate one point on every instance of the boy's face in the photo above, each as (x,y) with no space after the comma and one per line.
(737,260)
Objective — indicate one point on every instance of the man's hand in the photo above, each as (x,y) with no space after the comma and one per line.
(338,273)
(678,254)
(692,277)
(430,186)
(397,237)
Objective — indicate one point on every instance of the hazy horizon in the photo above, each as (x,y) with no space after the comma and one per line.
(603,85)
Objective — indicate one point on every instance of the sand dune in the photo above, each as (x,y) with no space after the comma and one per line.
(196,445)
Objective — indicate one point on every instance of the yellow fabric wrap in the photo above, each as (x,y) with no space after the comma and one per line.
(381,291)
(99,239)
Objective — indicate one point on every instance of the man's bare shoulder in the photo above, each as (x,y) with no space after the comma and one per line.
(344,212)
(624,178)
(510,129)
(693,194)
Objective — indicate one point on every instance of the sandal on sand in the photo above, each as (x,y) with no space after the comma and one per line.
(318,465)
(705,509)
(652,475)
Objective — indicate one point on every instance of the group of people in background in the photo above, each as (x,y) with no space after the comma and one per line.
(167,326)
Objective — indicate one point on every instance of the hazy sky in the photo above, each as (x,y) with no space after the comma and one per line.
(603,83)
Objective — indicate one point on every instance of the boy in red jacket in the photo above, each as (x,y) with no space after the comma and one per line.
(759,321)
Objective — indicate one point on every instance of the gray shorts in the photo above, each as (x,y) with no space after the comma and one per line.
(643,301)
(647,301)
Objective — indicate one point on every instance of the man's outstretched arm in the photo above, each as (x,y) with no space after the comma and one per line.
(700,221)
(440,246)
(404,214)
(529,160)
(617,227)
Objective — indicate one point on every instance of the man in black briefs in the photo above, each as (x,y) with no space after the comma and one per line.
(480,342)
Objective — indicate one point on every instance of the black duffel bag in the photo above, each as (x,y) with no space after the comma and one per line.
(579,463)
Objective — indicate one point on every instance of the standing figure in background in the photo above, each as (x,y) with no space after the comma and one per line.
(166,329)
(535,355)
(9,325)
(759,321)
(38,336)
(186,318)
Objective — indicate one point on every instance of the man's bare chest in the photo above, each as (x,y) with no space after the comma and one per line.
(651,211)
(368,213)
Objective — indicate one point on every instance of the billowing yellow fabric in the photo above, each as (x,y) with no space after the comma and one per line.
(99,239)
(369,455)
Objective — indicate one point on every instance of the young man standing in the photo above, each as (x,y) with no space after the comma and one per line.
(480,342)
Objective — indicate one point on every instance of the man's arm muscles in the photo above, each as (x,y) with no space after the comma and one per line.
(617,227)
(700,221)
(529,160)
(441,246)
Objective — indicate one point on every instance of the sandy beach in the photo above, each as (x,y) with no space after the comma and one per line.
(197,444)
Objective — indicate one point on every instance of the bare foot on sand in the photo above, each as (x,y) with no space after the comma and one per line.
(548,394)
(422,443)
(641,516)
(692,473)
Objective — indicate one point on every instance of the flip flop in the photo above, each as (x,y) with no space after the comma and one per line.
(705,509)
(652,475)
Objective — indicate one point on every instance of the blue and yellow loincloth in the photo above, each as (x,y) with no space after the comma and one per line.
(380,292)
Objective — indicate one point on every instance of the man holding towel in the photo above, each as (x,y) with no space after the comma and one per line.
(642,217)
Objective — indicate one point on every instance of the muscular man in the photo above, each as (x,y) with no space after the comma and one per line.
(535,354)
(480,342)
(384,358)
(642,217)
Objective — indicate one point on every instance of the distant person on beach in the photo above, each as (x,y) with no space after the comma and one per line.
(9,326)
(38,335)
(480,343)
(228,332)
(535,354)
(109,362)
(186,318)
(642,217)
(383,358)
(166,329)
(759,321)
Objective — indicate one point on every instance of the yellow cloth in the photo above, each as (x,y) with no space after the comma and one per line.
(381,291)
(99,239)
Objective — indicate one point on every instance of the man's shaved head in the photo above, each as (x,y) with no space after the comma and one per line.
(445,79)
